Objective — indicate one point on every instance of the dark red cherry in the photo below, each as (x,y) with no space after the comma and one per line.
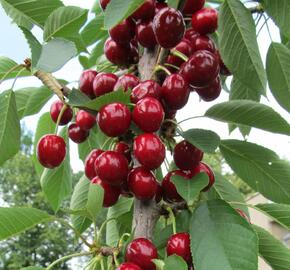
(186,156)
(104,3)
(85,120)
(55,110)
(179,244)
(192,6)
(148,114)
(145,35)
(114,119)
(129,266)
(201,68)
(111,193)
(159,6)
(223,69)
(145,12)
(168,27)
(203,43)
(205,21)
(190,34)
(90,163)
(149,150)
(104,83)
(86,82)
(126,82)
(123,148)
(170,114)
(77,134)
(51,150)
(112,167)
(142,251)
(175,91)
(124,32)
(142,183)
(202,167)
(210,92)
(149,88)
(159,193)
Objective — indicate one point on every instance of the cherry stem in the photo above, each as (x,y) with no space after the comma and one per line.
(190,118)
(17,76)
(100,231)
(102,264)
(160,67)
(179,54)
(172,217)
(120,244)
(172,66)
(64,107)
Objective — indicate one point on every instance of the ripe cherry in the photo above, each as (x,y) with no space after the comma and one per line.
(148,114)
(86,82)
(129,266)
(149,150)
(203,43)
(223,69)
(159,193)
(124,149)
(90,163)
(145,12)
(77,134)
(186,156)
(210,92)
(169,27)
(112,167)
(142,251)
(114,119)
(124,32)
(175,91)
(51,150)
(145,35)
(85,120)
(111,193)
(104,3)
(55,110)
(192,6)
(104,83)
(205,21)
(126,82)
(202,167)
(179,244)
(159,6)
(190,34)
(149,88)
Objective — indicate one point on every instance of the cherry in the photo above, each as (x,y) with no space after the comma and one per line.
(142,183)
(202,167)
(145,35)
(142,251)
(170,114)
(175,91)
(112,167)
(144,89)
(104,83)
(159,193)
(205,21)
(179,244)
(223,69)
(85,120)
(190,34)
(104,3)
(149,150)
(90,163)
(192,6)
(169,27)
(77,134)
(124,32)
(114,119)
(186,156)
(55,110)
(159,6)
(111,193)
(129,266)
(145,12)
(210,92)
(243,215)
(201,68)
(203,43)
(86,82)
(148,114)
(51,150)
(125,192)
(123,148)
(126,82)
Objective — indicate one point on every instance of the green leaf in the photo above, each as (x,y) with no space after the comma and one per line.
(57,183)
(95,200)
(249,113)
(238,45)
(15,220)
(278,71)
(118,10)
(205,140)
(159,264)
(260,168)
(175,262)
(173,3)
(32,268)
(222,239)
(10,126)
(273,251)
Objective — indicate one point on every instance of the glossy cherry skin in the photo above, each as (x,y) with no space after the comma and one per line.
(51,151)
(126,82)
(124,32)
(111,193)
(86,82)
(124,149)
(90,163)
(114,119)
(202,167)
(77,134)
(55,110)
(145,12)
(192,6)
(149,150)
(142,251)
(142,183)
(201,68)
(210,92)
(148,114)
(190,34)
(168,27)
(129,266)
(104,3)
(186,156)
(104,83)
(159,6)
(149,88)
(179,244)
(203,43)
(175,91)
(112,167)
(145,35)
(205,21)
(223,69)
(85,120)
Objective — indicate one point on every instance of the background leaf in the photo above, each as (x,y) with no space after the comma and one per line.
(7,65)
(95,200)
(175,262)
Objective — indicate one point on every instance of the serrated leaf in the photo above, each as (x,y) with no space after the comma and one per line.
(95,200)
(175,262)
(260,168)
